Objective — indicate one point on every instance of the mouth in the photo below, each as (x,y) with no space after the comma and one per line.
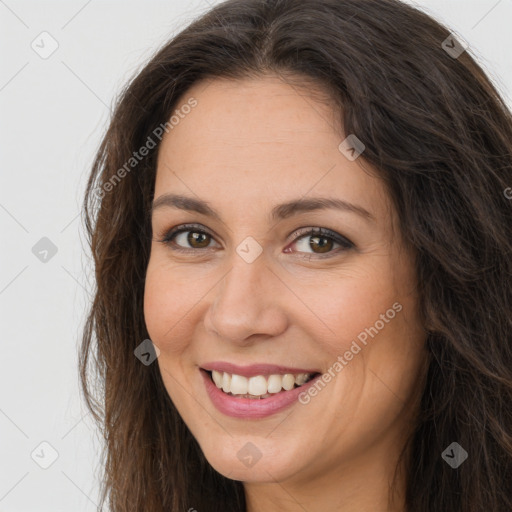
(258,387)
(258,394)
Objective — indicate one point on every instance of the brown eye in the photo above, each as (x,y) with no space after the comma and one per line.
(187,238)
(195,237)
(191,238)
(320,241)
(323,243)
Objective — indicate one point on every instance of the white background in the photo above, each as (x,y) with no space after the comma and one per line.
(53,113)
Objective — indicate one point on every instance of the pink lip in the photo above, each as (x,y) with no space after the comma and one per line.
(254,369)
(253,408)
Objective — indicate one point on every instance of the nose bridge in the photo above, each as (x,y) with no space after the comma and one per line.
(242,305)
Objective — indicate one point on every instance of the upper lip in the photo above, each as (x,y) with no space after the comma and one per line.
(254,369)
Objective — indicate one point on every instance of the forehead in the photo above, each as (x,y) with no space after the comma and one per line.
(264,110)
(261,138)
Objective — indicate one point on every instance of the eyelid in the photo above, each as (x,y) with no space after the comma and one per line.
(172,232)
(319,231)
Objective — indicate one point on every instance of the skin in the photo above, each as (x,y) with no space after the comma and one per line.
(247,146)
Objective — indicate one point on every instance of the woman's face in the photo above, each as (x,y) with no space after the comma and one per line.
(249,285)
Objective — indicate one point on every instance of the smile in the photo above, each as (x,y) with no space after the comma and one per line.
(258,395)
(260,386)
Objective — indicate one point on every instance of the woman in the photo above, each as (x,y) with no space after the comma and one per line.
(301,231)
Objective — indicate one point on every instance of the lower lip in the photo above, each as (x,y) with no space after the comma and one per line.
(252,408)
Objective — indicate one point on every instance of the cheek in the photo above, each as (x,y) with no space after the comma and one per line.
(167,302)
(165,314)
(374,330)
(349,304)
(383,337)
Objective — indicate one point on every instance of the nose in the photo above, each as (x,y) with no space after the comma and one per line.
(247,304)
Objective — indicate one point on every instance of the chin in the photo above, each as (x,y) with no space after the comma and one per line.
(250,459)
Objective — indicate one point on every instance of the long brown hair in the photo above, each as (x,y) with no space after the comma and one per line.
(441,137)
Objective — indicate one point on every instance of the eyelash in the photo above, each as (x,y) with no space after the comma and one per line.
(345,243)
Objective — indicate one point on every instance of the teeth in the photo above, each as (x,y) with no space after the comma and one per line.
(301,378)
(238,385)
(217,378)
(226,382)
(258,386)
(275,383)
(288,381)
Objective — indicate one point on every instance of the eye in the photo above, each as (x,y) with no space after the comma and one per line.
(190,234)
(190,237)
(321,241)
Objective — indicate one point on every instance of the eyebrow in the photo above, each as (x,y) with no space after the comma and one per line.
(279,212)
